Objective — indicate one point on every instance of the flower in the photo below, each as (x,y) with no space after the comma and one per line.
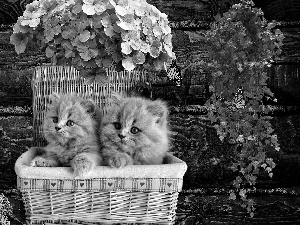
(91,33)
(240,138)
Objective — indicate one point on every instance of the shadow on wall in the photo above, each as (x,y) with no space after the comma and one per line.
(284,81)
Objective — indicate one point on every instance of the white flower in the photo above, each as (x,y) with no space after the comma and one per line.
(223,123)
(251,138)
(240,138)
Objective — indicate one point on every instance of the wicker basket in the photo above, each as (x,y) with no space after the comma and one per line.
(134,194)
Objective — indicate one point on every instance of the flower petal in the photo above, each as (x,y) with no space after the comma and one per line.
(128,64)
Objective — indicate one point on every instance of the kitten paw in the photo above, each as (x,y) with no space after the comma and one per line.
(40,162)
(119,160)
(82,166)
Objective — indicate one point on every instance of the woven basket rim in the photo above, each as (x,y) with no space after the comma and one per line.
(175,168)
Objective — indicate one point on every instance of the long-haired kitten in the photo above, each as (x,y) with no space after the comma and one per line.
(70,127)
(134,131)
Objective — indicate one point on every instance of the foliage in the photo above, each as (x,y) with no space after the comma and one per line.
(92,34)
(242,45)
(5,210)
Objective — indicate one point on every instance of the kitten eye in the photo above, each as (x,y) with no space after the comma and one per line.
(70,123)
(117,125)
(55,120)
(135,130)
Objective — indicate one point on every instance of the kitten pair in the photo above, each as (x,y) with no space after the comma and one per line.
(134,131)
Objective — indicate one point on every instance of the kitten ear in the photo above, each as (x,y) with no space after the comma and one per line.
(89,105)
(160,110)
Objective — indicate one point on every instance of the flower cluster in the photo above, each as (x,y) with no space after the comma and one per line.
(97,33)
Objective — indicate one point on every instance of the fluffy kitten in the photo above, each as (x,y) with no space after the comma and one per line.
(70,128)
(134,131)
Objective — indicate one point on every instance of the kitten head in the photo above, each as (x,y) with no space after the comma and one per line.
(136,124)
(69,117)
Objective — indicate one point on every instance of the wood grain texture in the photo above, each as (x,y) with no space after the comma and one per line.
(11,9)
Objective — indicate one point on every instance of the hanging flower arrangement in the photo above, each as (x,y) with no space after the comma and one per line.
(91,34)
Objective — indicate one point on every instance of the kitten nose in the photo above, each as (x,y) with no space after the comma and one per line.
(57,128)
(121,136)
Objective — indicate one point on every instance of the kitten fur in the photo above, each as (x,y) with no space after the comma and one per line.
(70,127)
(134,131)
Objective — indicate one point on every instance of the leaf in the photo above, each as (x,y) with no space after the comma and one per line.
(68,53)
(126,48)
(102,37)
(106,20)
(158,64)
(75,60)
(64,61)
(100,8)
(102,79)
(99,62)
(124,26)
(69,33)
(136,44)
(67,45)
(145,47)
(58,40)
(117,57)
(168,39)
(120,10)
(88,9)
(57,29)
(232,196)
(168,49)
(19,40)
(34,22)
(154,52)
(49,52)
(166,29)
(139,11)
(109,31)
(96,22)
(16,38)
(271,25)
(84,36)
(139,58)
(128,64)
(77,9)
(195,36)
(20,48)
(157,31)
(18,28)
(89,80)
(107,61)
(123,3)
(89,54)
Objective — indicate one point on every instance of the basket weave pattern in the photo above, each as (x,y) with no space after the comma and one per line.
(134,194)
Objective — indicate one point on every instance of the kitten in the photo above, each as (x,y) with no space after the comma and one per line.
(70,127)
(134,131)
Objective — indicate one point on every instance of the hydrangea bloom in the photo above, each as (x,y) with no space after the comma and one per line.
(94,33)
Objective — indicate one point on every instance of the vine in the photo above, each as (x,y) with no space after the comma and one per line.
(242,45)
